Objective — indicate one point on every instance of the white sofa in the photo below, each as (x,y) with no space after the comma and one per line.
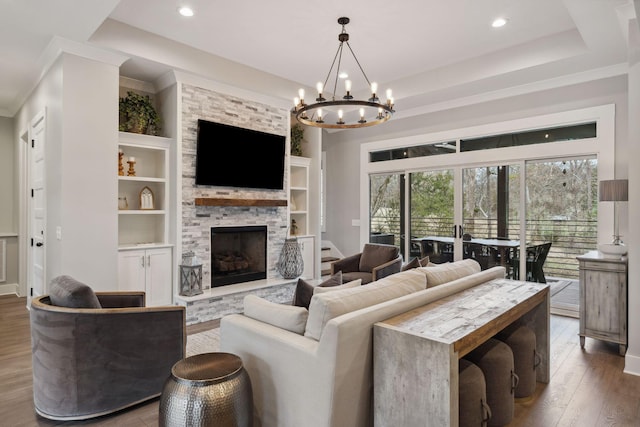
(316,368)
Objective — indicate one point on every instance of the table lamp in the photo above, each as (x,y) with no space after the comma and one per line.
(614,190)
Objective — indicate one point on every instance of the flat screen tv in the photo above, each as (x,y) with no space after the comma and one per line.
(231,156)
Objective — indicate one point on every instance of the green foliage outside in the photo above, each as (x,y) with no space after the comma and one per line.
(561,203)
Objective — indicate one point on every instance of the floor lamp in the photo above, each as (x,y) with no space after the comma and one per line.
(614,190)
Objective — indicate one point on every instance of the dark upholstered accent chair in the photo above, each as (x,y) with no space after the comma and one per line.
(89,362)
(374,262)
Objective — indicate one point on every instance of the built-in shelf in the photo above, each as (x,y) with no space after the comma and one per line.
(141,179)
(136,225)
(141,212)
(212,201)
(299,195)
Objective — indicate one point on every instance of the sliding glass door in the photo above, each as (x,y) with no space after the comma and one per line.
(431,215)
(520,193)
(491,214)
(561,216)
(386,193)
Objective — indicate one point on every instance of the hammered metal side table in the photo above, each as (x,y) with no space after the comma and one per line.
(209,389)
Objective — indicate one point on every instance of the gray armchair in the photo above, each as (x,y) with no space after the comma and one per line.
(374,262)
(97,353)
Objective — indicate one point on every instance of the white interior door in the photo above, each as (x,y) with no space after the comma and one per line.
(37,218)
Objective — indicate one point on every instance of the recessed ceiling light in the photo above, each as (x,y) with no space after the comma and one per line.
(499,22)
(343,75)
(185,11)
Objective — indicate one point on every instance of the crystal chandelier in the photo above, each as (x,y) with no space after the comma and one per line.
(345,112)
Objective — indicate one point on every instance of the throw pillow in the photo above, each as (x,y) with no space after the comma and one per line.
(304,290)
(288,317)
(329,305)
(351,284)
(65,291)
(425,262)
(414,263)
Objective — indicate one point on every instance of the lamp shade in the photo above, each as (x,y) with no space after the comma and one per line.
(614,190)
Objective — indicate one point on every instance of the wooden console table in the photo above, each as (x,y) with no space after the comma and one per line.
(416,353)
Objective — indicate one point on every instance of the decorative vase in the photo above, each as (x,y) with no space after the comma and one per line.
(290,264)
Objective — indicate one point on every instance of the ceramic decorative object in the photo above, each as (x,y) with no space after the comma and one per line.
(290,264)
(122,203)
(612,250)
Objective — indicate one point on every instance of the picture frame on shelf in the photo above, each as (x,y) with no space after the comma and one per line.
(146,199)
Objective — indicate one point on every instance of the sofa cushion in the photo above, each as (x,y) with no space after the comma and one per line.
(326,306)
(304,290)
(374,255)
(289,317)
(65,291)
(414,263)
(351,284)
(450,271)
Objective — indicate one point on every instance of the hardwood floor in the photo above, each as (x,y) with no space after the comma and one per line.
(587,388)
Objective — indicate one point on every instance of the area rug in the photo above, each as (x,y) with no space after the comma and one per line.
(203,342)
(565,298)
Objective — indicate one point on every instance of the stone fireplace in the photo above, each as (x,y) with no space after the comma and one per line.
(238,254)
(199,220)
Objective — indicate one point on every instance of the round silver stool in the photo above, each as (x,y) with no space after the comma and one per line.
(210,389)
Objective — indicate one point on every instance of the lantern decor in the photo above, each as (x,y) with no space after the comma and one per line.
(290,264)
(190,275)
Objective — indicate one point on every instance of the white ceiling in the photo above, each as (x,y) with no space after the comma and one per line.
(429,51)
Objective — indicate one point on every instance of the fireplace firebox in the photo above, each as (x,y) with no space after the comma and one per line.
(238,254)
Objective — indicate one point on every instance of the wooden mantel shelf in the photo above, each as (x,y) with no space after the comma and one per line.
(216,201)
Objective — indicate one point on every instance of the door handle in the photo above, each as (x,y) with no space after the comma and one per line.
(39,244)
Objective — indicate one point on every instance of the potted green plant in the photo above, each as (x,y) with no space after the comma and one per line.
(138,115)
(297,134)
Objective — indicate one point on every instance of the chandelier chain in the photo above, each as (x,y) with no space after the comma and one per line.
(326,80)
(359,66)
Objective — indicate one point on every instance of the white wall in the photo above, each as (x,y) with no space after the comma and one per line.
(632,360)
(8,211)
(80,97)
(343,195)
(8,204)
(88,171)
(46,96)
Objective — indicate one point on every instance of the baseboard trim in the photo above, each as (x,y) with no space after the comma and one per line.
(631,364)
(9,288)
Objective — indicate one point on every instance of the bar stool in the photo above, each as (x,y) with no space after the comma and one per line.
(472,396)
(495,359)
(522,341)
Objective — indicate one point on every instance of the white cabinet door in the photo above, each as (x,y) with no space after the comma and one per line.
(158,278)
(149,271)
(131,270)
(306,247)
